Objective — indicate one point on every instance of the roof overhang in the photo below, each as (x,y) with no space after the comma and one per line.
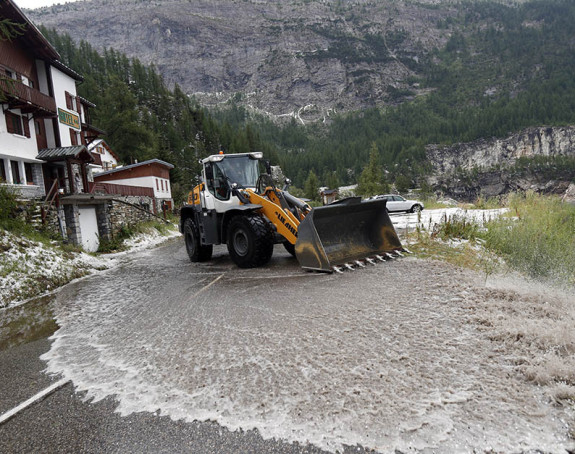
(33,39)
(62,153)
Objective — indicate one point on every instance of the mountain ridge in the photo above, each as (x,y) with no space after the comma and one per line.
(277,57)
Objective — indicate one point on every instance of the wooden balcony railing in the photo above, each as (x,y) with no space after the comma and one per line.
(28,99)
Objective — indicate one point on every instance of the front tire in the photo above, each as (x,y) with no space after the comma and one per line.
(289,247)
(194,248)
(416,208)
(250,240)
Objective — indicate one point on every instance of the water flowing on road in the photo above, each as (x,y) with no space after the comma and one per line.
(408,355)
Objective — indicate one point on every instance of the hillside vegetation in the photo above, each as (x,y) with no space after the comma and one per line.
(503,68)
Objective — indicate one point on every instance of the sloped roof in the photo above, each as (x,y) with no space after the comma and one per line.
(33,39)
(51,154)
(132,166)
(102,142)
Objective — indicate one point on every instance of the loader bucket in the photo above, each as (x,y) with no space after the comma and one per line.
(343,232)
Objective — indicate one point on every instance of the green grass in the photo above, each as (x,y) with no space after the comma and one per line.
(536,237)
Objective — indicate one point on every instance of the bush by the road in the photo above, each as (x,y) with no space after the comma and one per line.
(537,237)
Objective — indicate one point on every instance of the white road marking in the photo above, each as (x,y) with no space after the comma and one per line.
(41,395)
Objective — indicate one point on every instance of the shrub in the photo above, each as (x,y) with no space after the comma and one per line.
(539,238)
(8,209)
(456,226)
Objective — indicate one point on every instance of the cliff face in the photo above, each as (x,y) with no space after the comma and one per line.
(493,167)
(305,59)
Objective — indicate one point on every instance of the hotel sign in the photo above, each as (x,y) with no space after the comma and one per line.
(68,118)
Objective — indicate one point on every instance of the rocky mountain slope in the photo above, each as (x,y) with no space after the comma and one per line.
(302,58)
(538,159)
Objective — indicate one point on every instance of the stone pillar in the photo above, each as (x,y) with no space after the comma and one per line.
(73,230)
(38,177)
(103,219)
(8,170)
(22,170)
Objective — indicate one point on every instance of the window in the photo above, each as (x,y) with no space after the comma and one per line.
(29,173)
(15,124)
(16,179)
(38,127)
(2,171)
(73,137)
(157,184)
(162,182)
(69,100)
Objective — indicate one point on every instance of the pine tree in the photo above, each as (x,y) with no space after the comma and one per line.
(311,186)
(371,181)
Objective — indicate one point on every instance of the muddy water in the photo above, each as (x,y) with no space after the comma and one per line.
(409,355)
(27,322)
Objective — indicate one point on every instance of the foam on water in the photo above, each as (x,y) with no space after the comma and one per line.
(391,357)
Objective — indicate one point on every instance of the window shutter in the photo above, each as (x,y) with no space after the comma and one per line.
(73,137)
(14,124)
(10,122)
(26,126)
(68,100)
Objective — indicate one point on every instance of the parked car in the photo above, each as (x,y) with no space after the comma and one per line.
(396,203)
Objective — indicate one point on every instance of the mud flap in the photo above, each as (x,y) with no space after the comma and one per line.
(343,232)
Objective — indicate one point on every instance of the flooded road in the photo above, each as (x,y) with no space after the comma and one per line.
(409,355)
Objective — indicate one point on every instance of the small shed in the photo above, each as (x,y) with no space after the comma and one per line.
(329,196)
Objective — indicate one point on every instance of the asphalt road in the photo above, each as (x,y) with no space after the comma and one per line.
(67,421)
(164,355)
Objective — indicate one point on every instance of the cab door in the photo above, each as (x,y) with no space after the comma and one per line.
(218,195)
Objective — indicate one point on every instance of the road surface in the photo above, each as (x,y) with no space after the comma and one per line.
(405,356)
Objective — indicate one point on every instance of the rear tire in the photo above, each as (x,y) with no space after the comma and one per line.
(250,240)
(196,251)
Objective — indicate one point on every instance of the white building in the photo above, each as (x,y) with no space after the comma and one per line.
(40,111)
(105,158)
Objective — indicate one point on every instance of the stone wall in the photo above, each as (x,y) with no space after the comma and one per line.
(129,210)
(27,191)
(112,214)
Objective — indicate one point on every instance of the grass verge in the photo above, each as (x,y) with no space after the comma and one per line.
(536,238)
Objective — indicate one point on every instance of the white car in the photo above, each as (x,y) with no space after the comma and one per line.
(396,203)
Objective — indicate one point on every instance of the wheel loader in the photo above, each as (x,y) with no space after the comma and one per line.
(238,204)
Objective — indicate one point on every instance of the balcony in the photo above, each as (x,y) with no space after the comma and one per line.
(28,99)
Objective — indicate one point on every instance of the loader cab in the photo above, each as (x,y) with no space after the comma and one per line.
(221,171)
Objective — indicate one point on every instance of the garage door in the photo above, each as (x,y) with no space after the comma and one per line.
(89,228)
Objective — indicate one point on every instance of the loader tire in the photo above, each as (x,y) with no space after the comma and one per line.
(196,251)
(250,240)
(289,247)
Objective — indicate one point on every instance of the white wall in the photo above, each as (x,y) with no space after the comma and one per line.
(62,84)
(16,146)
(148,182)
(98,148)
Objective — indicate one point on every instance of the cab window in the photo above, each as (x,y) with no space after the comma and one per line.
(217,182)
